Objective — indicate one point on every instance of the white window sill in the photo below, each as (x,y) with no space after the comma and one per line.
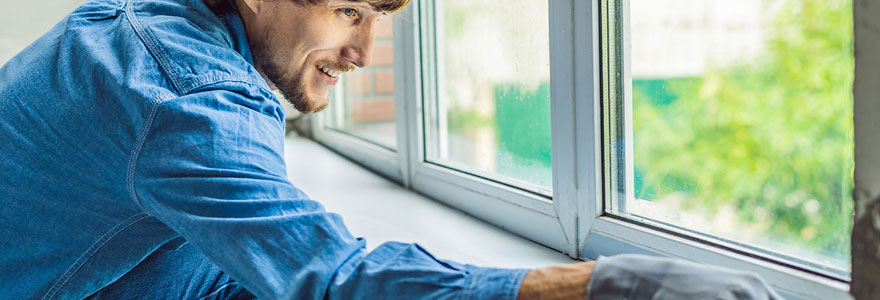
(380,210)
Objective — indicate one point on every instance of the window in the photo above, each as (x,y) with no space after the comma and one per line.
(733,121)
(490,114)
(715,131)
(361,120)
(481,137)
(364,104)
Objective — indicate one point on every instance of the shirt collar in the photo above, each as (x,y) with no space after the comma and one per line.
(237,32)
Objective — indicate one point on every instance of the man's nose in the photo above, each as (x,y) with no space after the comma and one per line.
(360,49)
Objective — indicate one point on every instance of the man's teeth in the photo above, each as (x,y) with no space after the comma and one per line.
(328,71)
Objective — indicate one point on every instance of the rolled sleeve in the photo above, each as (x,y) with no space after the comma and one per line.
(410,272)
(491,283)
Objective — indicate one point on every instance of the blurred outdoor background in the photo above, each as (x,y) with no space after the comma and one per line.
(492,116)
(742,121)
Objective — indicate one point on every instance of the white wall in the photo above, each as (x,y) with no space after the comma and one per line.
(22,22)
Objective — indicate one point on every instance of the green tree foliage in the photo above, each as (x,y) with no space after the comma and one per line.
(771,137)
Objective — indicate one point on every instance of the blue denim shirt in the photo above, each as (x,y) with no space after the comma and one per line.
(131,123)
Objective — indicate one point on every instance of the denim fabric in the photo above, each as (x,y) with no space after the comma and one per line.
(132,123)
(176,269)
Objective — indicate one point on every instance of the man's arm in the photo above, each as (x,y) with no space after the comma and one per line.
(557,282)
(212,169)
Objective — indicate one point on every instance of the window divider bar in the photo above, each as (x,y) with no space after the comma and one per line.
(407,93)
(588,120)
(562,117)
(626,85)
(426,81)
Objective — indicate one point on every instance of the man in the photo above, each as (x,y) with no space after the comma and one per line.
(142,159)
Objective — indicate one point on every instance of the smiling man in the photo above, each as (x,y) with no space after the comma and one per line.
(303,49)
(142,159)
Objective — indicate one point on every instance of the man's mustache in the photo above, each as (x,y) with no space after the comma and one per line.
(344,67)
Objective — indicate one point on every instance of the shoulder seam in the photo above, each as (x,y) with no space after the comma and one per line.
(209,81)
(135,152)
(147,126)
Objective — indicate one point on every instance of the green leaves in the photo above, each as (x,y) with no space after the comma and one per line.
(772,138)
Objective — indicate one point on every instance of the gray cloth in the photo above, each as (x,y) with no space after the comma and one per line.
(630,276)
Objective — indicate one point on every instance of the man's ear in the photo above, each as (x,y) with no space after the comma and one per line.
(253,5)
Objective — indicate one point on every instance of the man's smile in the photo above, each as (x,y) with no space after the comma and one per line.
(329,72)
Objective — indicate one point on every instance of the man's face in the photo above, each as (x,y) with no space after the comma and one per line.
(304,49)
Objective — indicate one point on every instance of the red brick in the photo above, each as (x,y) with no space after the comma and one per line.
(383,54)
(359,82)
(384,28)
(384,81)
(374,110)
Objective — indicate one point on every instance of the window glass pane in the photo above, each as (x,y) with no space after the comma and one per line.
(491,116)
(738,123)
(363,102)
(21,22)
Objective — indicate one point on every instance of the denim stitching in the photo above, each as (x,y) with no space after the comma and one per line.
(196,83)
(109,235)
(135,153)
(215,79)
(181,87)
(222,79)
(145,130)
(161,57)
(161,60)
(154,48)
(471,282)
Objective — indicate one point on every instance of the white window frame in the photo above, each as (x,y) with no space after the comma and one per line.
(371,155)
(527,213)
(368,154)
(574,221)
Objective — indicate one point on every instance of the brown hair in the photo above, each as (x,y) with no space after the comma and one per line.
(386,6)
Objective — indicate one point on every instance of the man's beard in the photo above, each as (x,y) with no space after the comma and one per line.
(291,87)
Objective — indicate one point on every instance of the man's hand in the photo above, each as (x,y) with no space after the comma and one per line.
(557,282)
(649,277)
(643,277)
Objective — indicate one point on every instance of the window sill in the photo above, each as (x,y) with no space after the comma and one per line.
(380,210)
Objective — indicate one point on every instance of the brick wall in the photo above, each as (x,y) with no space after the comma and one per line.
(370,91)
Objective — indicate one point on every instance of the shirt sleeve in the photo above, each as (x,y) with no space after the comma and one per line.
(211,167)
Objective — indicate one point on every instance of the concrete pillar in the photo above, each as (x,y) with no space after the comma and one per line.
(866,89)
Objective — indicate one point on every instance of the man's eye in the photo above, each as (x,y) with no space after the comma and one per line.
(348,11)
